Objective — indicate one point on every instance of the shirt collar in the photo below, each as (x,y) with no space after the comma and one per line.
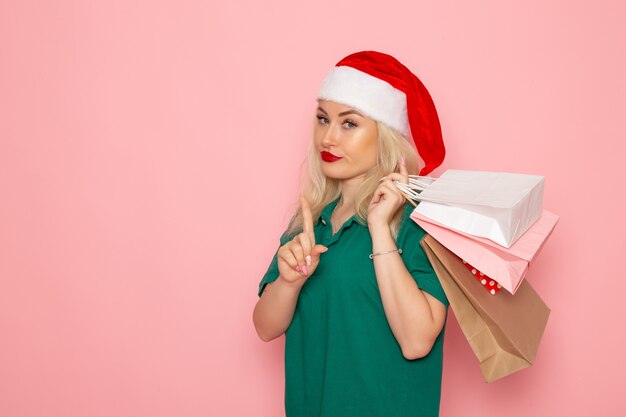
(328,211)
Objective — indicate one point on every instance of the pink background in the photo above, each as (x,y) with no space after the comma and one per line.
(149,154)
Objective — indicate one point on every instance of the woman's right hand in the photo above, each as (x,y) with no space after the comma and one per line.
(293,255)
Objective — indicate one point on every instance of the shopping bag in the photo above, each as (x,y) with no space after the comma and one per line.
(504,331)
(506,266)
(499,206)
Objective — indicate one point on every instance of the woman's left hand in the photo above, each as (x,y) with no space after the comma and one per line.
(387,198)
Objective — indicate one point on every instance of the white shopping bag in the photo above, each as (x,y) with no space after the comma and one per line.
(498,206)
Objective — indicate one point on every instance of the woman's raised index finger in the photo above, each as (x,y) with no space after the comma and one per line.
(307,223)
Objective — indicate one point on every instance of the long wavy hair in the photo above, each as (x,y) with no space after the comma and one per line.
(320,190)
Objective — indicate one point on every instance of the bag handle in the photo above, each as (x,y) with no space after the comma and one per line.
(415,184)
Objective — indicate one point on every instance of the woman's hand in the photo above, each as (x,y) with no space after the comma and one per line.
(298,258)
(387,198)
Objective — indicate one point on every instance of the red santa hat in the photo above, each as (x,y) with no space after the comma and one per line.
(383,89)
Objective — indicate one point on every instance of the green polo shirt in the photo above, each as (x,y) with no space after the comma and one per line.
(341,357)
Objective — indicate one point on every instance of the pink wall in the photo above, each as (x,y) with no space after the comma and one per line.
(149,154)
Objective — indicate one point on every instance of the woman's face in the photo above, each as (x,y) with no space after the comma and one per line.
(345,139)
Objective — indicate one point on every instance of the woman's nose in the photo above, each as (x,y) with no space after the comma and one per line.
(330,136)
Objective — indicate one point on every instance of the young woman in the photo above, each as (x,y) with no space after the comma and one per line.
(350,286)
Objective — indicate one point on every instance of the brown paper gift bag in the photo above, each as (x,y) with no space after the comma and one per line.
(503,330)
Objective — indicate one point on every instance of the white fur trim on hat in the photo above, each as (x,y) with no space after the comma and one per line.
(376,98)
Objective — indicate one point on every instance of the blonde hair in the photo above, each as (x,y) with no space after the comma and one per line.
(320,190)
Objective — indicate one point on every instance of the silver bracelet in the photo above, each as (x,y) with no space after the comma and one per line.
(383,253)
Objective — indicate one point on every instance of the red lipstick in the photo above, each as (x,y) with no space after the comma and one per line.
(329,157)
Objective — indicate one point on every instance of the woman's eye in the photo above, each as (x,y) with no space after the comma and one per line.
(350,124)
(322,119)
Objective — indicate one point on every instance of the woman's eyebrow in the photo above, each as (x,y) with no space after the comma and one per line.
(350,112)
(342,113)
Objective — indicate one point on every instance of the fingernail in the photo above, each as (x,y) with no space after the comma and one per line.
(308,260)
(298,268)
(305,270)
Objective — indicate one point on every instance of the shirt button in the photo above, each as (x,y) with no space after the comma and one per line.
(323,221)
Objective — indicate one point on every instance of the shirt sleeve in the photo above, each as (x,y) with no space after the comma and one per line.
(272,271)
(416,260)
